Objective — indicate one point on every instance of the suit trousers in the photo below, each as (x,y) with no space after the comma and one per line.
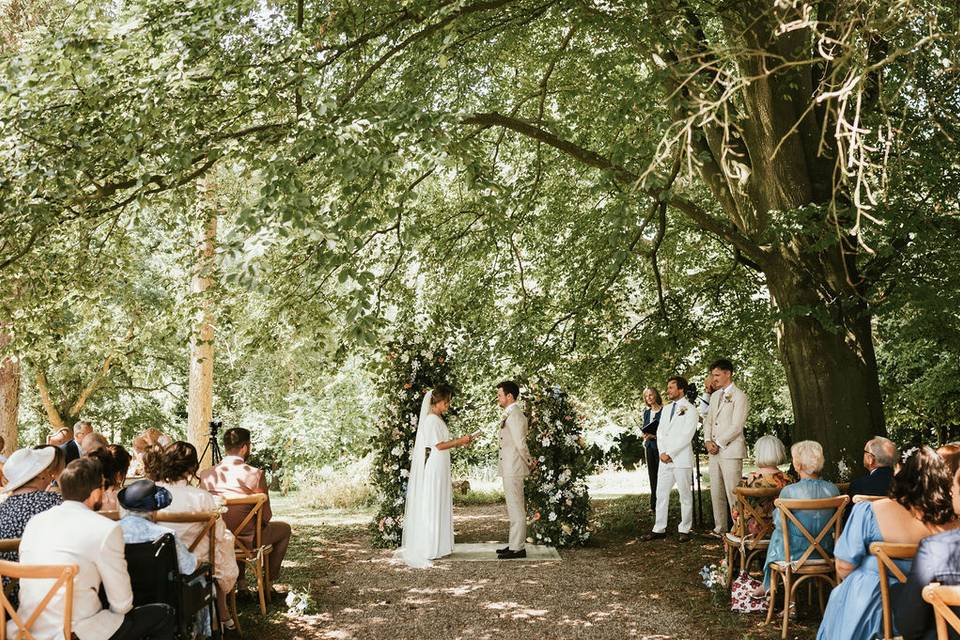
(725,474)
(516,511)
(667,476)
(150,621)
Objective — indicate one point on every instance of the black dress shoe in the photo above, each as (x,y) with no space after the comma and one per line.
(504,550)
(510,554)
(653,535)
(683,537)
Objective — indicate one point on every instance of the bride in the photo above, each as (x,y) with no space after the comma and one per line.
(428,515)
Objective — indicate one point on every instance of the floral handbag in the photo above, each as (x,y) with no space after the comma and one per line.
(742,599)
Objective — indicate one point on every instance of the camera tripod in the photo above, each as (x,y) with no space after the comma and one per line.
(212,445)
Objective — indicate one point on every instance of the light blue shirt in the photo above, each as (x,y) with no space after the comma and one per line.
(137,528)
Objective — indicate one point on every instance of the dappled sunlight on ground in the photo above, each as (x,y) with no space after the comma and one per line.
(615,588)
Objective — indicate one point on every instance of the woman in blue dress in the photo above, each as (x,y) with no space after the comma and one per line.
(919,505)
(808,460)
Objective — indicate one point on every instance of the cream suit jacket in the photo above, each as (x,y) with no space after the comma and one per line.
(674,436)
(514,455)
(724,422)
(73,534)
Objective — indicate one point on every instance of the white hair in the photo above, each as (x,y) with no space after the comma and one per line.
(807,456)
(768,451)
(883,450)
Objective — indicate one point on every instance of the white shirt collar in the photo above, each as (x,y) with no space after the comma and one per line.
(232,458)
(510,406)
(726,389)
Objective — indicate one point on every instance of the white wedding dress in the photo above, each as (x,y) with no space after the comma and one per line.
(428,514)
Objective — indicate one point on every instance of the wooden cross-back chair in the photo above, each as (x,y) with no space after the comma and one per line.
(10,544)
(61,574)
(257,556)
(942,597)
(208,532)
(821,569)
(749,545)
(886,553)
(860,497)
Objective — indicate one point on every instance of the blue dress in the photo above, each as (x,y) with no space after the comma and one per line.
(813,520)
(854,611)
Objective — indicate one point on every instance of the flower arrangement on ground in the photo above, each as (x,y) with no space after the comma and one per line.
(558,504)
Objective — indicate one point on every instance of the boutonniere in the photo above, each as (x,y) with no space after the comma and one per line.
(682,411)
(728,397)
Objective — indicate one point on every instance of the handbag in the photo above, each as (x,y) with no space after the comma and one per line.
(742,599)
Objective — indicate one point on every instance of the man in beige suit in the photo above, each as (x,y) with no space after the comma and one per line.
(515,465)
(723,437)
(232,478)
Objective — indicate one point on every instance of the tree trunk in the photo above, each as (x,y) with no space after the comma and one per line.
(9,397)
(200,407)
(831,370)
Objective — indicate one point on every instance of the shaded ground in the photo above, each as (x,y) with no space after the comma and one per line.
(617,587)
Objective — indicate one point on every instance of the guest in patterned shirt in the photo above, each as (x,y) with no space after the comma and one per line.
(29,473)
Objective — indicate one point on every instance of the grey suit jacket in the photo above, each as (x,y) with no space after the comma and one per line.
(725,420)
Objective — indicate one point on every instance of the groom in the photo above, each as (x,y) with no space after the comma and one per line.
(515,465)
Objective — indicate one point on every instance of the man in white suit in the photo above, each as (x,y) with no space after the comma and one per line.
(723,438)
(678,425)
(515,465)
(73,533)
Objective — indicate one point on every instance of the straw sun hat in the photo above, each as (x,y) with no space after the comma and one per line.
(24,465)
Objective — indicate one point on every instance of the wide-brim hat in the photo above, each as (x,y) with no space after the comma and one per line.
(24,465)
(144,495)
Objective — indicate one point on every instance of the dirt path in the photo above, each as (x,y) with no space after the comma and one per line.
(615,588)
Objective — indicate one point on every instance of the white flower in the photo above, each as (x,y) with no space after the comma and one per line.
(396,451)
(414,420)
(545,441)
(404,473)
(553,516)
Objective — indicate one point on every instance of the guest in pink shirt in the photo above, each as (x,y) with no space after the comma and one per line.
(233,477)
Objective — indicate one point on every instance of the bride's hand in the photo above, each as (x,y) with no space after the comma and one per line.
(467,440)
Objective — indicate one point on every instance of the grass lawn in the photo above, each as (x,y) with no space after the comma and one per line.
(617,587)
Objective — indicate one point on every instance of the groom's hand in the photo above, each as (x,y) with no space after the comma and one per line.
(532,464)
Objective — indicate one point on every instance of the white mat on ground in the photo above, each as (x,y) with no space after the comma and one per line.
(487,551)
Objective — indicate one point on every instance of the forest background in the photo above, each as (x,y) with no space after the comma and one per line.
(598,194)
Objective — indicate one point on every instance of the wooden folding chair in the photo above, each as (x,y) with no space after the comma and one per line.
(942,597)
(822,569)
(885,553)
(257,557)
(857,499)
(62,574)
(749,545)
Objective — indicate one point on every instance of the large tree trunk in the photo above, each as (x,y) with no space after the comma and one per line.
(831,369)
(9,397)
(200,407)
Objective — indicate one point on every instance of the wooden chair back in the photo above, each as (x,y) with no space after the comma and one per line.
(10,544)
(815,539)
(255,516)
(747,510)
(857,499)
(943,597)
(61,574)
(208,518)
(886,553)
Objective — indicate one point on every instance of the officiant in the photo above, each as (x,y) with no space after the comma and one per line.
(651,420)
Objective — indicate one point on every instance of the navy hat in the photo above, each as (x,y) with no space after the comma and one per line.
(144,495)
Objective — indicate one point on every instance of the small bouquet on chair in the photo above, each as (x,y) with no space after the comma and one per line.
(742,599)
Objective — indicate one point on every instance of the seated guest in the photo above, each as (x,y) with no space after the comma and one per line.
(173,468)
(72,533)
(768,453)
(115,461)
(879,457)
(808,461)
(139,504)
(233,477)
(93,441)
(64,439)
(919,505)
(29,473)
(937,560)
